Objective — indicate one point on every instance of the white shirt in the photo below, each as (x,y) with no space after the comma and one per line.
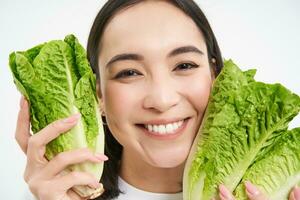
(131,193)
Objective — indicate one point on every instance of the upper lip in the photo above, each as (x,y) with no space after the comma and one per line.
(163,121)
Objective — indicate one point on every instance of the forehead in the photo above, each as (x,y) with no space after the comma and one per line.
(151,25)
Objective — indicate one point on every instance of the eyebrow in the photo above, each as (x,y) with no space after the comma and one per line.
(125,56)
(185,49)
(138,57)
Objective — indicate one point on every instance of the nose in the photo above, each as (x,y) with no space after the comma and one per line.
(161,95)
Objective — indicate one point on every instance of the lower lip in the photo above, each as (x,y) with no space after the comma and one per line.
(168,136)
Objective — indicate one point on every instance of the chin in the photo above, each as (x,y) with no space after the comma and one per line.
(169,161)
(169,164)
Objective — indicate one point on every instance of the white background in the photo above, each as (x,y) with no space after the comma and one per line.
(261,34)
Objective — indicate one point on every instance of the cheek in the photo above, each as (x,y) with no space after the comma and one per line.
(119,102)
(198,92)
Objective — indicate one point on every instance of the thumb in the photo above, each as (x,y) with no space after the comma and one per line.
(253,192)
(22,132)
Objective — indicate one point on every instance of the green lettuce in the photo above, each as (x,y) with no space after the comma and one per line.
(242,121)
(57,80)
(278,170)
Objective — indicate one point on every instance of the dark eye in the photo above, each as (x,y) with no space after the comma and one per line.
(186,66)
(127,73)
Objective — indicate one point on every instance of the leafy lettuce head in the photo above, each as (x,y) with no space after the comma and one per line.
(57,80)
(243,121)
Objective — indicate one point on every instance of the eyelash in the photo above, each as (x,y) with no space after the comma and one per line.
(192,66)
(125,73)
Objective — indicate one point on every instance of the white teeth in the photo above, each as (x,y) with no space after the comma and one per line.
(164,129)
(169,128)
(150,128)
(176,125)
(155,128)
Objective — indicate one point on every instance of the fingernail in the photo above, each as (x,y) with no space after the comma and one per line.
(95,185)
(225,192)
(101,156)
(22,101)
(296,193)
(72,118)
(251,189)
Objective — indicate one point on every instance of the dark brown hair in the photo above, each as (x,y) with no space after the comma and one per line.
(112,148)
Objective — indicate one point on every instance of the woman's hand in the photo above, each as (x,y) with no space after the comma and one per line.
(44,177)
(254,193)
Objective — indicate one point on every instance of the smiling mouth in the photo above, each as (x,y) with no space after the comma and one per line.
(164,129)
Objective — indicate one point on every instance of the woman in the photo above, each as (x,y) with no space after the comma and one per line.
(155,62)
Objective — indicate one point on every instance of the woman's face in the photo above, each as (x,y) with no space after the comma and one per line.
(155,82)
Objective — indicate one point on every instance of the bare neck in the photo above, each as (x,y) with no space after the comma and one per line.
(149,178)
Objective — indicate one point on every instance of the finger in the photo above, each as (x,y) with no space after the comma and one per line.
(56,128)
(253,192)
(37,142)
(74,196)
(22,132)
(74,178)
(225,194)
(64,159)
(292,195)
(295,194)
